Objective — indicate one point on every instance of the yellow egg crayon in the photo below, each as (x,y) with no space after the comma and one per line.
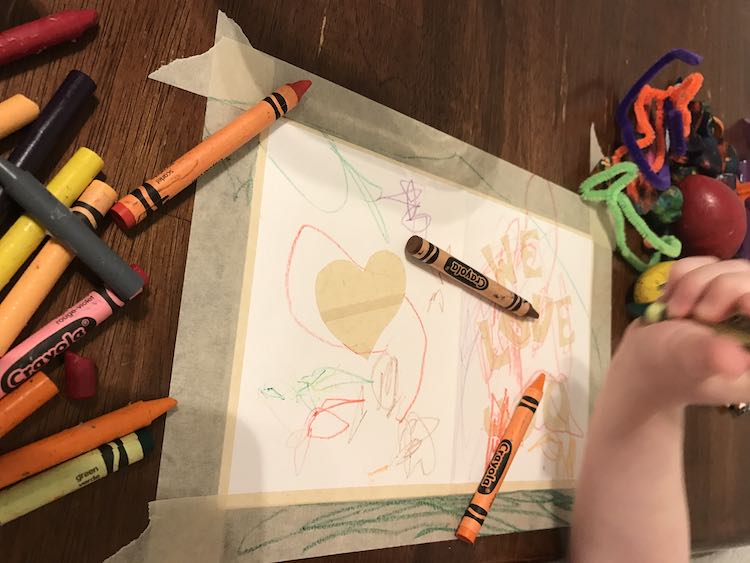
(25,235)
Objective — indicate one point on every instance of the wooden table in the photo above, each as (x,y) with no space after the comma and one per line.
(522,80)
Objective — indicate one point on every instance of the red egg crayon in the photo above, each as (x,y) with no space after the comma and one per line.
(36,36)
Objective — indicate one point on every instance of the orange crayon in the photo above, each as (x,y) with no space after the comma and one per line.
(49,264)
(31,395)
(480,504)
(30,460)
(439,260)
(152,195)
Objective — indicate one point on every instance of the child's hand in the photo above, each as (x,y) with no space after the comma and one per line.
(678,362)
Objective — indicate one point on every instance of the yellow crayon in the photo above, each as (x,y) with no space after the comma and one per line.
(48,265)
(23,238)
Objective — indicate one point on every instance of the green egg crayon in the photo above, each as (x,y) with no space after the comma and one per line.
(68,477)
(736,326)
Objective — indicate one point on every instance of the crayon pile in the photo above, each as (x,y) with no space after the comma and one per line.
(55,224)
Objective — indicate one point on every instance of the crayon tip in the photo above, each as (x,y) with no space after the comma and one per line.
(159,406)
(300,87)
(466,534)
(122,216)
(141,273)
(532,313)
(88,17)
(538,383)
(413,244)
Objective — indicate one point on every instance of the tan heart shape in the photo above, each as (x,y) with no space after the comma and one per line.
(355,304)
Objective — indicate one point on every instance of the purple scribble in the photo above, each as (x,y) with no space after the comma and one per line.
(412,219)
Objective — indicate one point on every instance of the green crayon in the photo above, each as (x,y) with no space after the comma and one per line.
(68,477)
(736,326)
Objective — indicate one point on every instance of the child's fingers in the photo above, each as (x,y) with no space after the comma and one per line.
(682,267)
(698,352)
(688,289)
(723,296)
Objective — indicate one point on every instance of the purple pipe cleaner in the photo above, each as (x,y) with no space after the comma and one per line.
(673,117)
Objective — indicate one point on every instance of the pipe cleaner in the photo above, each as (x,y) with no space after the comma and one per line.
(660,180)
(621,208)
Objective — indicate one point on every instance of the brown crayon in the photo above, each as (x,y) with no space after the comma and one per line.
(493,478)
(152,195)
(438,259)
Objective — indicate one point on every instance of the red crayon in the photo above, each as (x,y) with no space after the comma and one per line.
(36,36)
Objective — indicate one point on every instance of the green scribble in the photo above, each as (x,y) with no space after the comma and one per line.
(271,393)
(370,191)
(414,518)
(304,195)
(238,183)
(309,388)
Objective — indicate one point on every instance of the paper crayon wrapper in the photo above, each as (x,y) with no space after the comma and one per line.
(53,339)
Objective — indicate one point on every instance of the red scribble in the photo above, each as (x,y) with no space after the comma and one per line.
(292,252)
(319,416)
(421,363)
(326,408)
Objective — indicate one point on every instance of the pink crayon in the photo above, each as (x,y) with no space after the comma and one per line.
(54,338)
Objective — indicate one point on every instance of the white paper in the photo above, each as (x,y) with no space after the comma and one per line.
(425,407)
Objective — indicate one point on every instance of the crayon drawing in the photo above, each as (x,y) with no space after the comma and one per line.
(362,369)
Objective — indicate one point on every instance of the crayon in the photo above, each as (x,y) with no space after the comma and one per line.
(68,477)
(64,226)
(47,452)
(36,36)
(38,141)
(153,194)
(480,504)
(736,326)
(441,261)
(48,265)
(16,112)
(54,338)
(80,376)
(26,234)
(16,407)
(33,150)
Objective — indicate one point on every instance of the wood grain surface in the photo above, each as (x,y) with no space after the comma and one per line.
(522,80)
